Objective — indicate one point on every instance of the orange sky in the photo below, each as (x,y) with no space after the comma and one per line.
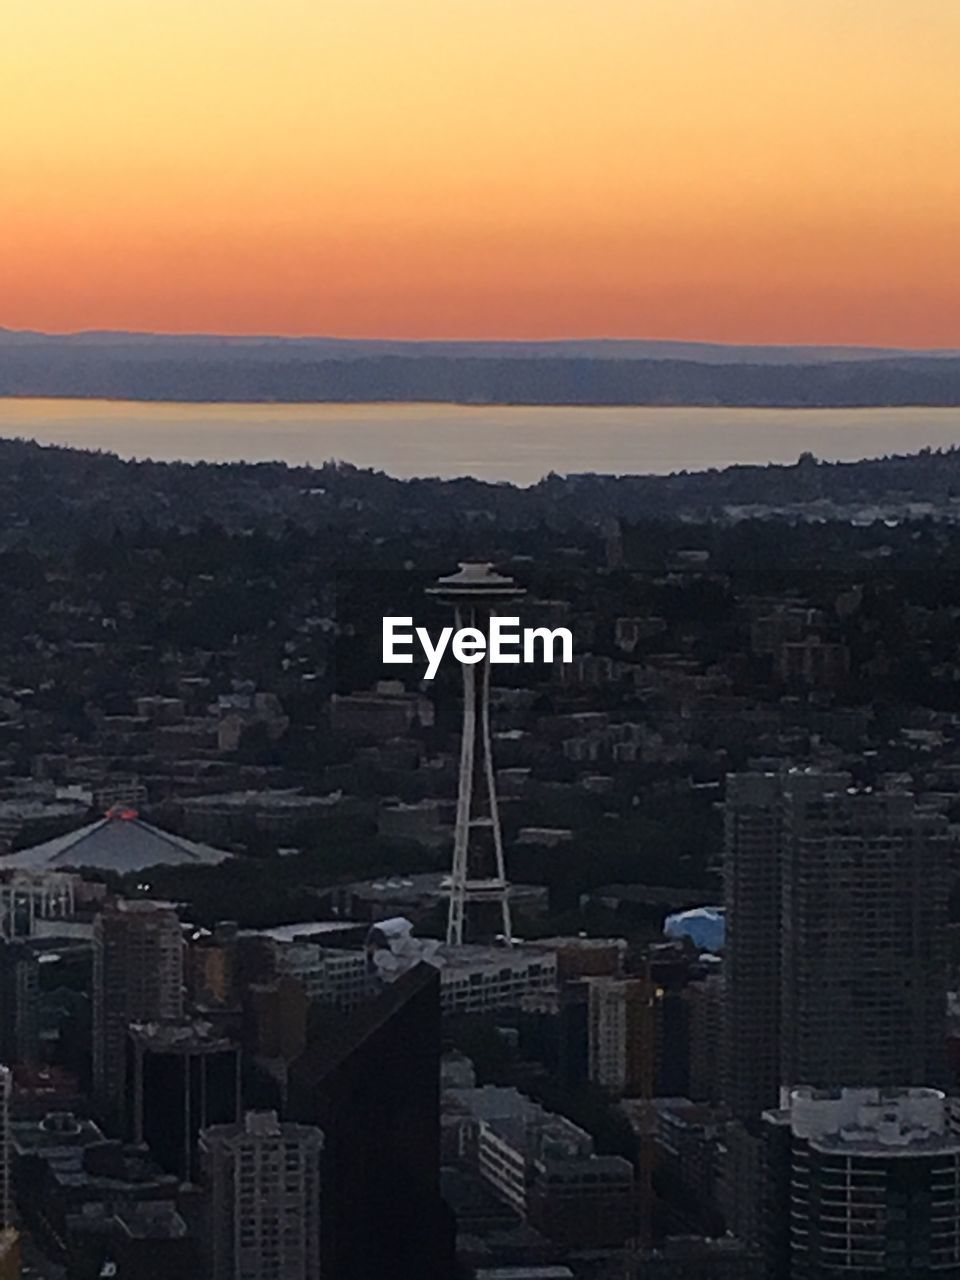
(743,170)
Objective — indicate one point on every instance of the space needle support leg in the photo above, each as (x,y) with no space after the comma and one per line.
(461,838)
(492,797)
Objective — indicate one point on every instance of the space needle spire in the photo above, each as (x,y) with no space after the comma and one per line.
(475,593)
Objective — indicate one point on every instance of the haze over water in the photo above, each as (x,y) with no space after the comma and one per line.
(519,444)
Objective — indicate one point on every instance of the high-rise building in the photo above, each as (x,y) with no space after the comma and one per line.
(181,1077)
(862,1182)
(263,1180)
(9,1238)
(19,1003)
(706,1002)
(137,977)
(373,1087)
(623,1040)
(836,906)
(864,912)
(751,887)
(6,1088)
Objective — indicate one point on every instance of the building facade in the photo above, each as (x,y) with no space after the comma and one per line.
(622,1020)
(263,1180)
(182,1077)
(137,977)
(836,912)
(864,912)
(862,1182)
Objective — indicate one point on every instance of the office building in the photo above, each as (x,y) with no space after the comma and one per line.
(181,1077)
(373,1087)
(542,1166)
(137,977)
(265,1201)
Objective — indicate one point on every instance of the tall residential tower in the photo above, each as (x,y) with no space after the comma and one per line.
(836,908)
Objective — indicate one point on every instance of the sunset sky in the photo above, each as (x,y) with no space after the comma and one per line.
(735,170)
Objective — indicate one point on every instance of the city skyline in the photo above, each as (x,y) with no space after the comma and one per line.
(738,171)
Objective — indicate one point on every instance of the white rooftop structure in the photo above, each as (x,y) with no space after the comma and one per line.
(870,1121)
(121,842)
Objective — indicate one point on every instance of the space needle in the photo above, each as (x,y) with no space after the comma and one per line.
(475,593)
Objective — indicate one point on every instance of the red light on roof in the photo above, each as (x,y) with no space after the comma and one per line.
(122,813)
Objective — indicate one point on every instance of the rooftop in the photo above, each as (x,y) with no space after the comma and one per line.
(188,1036)
(121,842)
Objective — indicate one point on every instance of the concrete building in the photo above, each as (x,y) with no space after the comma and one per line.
(328,975)
(862,1182)
(864,912)
(137,977)
(27,897)
(581,957)
(836,912)
(263,1179)
(543,1166)
(622,1035)
(751,886)
(473,978)
(706,1000)
(76,1182)
(373,1088)
(232,816)
(19,1004)
(384,712)
(477,979)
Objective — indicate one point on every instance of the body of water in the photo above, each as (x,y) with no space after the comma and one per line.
(520,444)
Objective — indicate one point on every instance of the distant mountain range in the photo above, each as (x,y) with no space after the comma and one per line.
(197,367)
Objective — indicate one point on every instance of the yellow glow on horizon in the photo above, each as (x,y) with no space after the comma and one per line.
(762,170)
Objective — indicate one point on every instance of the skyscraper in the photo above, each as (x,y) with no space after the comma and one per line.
(372,1084)
(263,1180)
(751,887)
(19,1003)
(864,912)
(137,977)
(836,907)
(181,1077)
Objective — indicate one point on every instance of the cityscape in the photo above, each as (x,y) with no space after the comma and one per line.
(643,963)
(479,640)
